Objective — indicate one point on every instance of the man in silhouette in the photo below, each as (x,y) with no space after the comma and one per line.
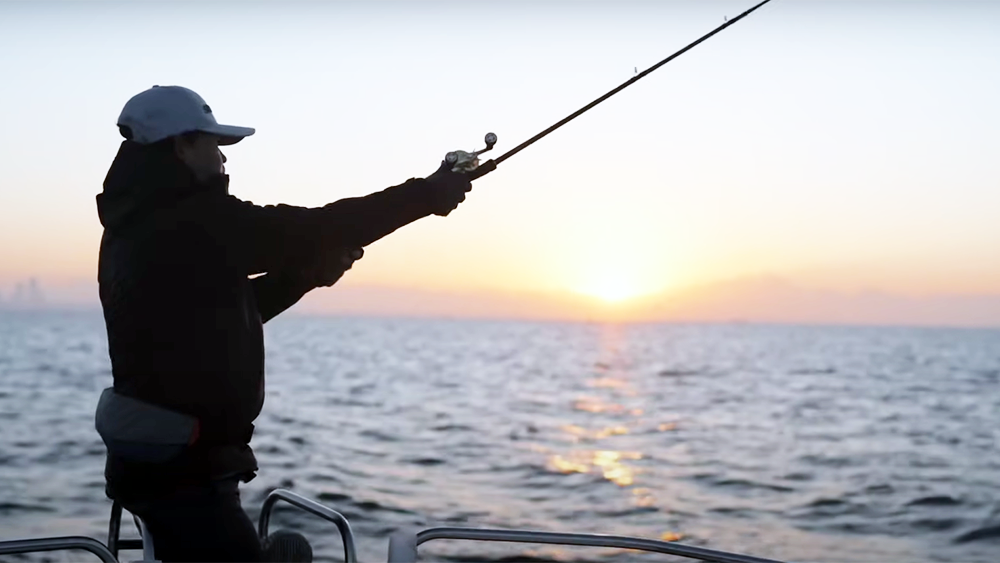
(188,275)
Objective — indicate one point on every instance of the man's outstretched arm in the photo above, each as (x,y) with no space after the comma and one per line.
(287,238)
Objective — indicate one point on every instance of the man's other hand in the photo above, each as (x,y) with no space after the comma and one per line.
(331,266)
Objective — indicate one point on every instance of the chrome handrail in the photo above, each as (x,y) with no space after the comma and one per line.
(403,546)
(298,501)
(58,544)
(114,527)
(115,543)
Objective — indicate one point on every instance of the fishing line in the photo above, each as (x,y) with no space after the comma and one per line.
(468,162)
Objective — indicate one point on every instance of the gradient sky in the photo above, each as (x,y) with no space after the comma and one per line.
(838,145)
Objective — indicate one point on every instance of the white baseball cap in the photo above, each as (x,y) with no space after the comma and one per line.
(166,111)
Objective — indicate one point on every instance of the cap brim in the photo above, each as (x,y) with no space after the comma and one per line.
(230,134)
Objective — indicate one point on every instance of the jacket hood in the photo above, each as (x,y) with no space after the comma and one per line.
(144,177)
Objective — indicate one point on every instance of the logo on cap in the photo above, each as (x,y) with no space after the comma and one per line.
(206,108)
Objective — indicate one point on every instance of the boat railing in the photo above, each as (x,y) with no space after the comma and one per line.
(313,507)
(115,543)
(402,545)
(38,545)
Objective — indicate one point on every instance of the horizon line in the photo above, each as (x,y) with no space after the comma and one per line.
(306,314)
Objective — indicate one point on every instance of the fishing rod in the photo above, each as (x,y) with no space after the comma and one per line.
(468,162)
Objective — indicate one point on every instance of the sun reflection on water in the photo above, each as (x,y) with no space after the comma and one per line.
(580,433)
(607,383)
(611,408)
(595,405)
(607,463)
(671,536)
(643,497)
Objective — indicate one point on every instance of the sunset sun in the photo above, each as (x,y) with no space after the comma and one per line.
(611,288)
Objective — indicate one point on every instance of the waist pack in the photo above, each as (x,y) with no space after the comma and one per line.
(138,431)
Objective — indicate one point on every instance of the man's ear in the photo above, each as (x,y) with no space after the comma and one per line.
(180,148)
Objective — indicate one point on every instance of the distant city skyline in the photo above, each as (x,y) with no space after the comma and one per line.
(26,293)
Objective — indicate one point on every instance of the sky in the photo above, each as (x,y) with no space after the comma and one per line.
(819,161)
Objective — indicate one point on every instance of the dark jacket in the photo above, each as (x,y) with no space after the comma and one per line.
(184,319)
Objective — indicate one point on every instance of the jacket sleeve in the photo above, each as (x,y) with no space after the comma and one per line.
(285,238)
(275,293)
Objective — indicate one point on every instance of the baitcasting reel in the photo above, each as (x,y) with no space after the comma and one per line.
(462,161)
